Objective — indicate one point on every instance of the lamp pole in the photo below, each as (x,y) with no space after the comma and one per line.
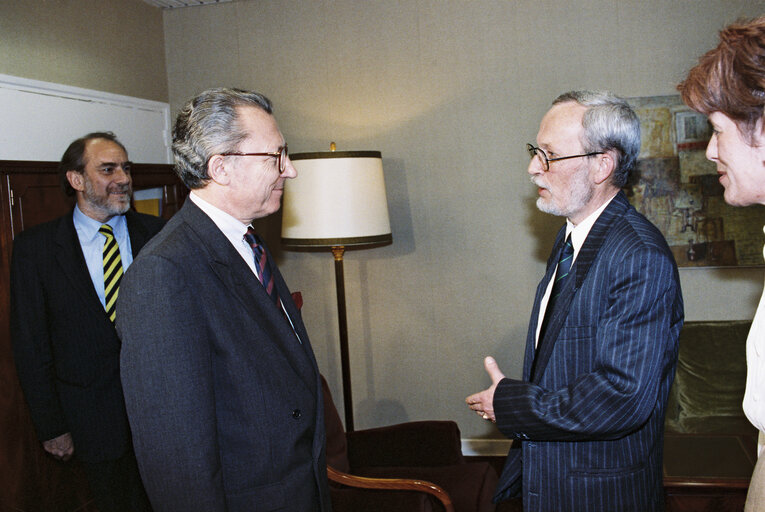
(345,365)
(337,201)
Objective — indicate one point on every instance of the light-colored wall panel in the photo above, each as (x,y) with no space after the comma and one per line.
(64,113)
(449,91)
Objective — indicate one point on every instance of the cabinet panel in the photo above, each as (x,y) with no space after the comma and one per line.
(35,197)
(174,192)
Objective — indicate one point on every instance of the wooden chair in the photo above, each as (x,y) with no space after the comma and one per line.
(415,466)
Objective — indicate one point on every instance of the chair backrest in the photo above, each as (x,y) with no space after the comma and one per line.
(337,444)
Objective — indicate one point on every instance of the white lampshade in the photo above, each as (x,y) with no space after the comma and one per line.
(337,199)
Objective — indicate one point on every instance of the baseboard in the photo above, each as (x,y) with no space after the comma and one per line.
(485,447)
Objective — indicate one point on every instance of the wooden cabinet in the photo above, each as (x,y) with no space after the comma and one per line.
(30,193)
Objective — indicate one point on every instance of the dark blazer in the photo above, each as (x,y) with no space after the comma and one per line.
(588,422)
(224,401)
(65,347)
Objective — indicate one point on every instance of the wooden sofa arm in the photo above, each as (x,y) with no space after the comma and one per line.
(401,484)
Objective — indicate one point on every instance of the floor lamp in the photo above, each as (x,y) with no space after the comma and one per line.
(337,200)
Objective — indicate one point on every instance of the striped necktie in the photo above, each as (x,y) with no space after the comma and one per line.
(261,262)
(564,267)
(265,276)
(112,270)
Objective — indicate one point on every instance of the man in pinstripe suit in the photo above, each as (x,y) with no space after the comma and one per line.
(587,417)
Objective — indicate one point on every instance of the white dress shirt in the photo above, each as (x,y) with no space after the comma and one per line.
(92,245)
(754,396)
(578,236)
(234,230)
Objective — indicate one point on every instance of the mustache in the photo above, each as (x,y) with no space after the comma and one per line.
(533,180)
(119,189)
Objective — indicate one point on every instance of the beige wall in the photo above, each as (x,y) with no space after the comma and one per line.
(449,91)
(114,46)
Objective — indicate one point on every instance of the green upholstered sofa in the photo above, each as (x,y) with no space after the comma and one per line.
(709,445)
(709,384)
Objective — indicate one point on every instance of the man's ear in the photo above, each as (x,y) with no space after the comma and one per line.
(216,169)
(76,180)
(606,166)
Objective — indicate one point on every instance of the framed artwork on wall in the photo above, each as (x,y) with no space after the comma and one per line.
(677,189)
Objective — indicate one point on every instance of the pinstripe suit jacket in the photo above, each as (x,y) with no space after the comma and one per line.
(589,420)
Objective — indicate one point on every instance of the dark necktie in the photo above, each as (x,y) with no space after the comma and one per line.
(561,274)
(112,270)
(261,262)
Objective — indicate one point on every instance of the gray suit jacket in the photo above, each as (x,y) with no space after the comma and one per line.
(225,403)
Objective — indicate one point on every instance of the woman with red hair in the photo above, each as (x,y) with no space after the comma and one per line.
(728,85)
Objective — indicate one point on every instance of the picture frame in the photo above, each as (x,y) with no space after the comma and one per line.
(678,190)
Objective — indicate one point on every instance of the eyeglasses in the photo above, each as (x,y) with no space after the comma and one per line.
(535,151)
(281,157)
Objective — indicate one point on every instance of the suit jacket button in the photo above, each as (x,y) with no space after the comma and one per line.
(297,414)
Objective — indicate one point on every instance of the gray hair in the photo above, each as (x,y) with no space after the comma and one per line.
(609,124)
(208,125)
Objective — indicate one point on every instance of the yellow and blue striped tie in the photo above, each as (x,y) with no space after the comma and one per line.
(112,270)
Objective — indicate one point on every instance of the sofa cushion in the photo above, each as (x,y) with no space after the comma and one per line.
(711,374)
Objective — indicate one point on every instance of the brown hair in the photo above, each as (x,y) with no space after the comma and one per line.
(731,78)
(74,157)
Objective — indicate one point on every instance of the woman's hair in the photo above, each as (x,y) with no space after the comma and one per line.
(731,78)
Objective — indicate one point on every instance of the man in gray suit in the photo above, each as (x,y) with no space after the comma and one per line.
(220,381)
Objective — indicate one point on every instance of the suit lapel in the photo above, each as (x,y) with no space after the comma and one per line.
(306,359)
(589,251)
(528,363)
(72,264)
(584,260)
(286,297)
(72,261)
(237,277)
(137,232)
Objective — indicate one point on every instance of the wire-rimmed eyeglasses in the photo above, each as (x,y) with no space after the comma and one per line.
(281,157)
(535,151)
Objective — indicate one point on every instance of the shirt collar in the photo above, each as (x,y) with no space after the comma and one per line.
(88,227)
(233,228)
(580,231)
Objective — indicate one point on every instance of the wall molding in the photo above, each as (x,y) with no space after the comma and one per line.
(486,447)
(44,117)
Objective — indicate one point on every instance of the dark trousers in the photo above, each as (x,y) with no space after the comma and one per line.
(116,485)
